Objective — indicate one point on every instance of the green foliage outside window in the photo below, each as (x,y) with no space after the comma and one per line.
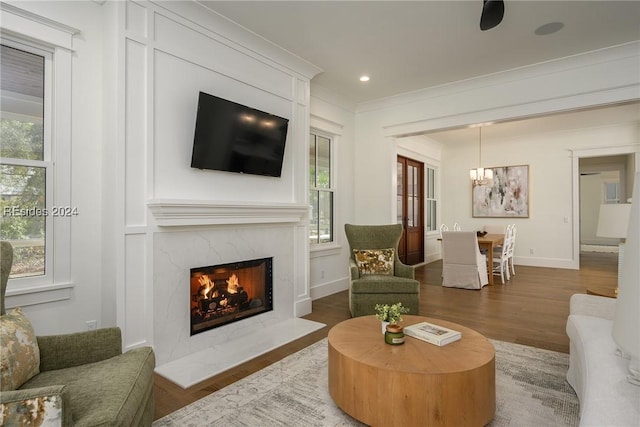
(22,191)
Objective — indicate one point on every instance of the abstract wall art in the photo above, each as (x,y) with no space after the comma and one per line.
(506,196)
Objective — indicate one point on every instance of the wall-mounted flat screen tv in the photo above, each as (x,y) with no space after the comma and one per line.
(236,138)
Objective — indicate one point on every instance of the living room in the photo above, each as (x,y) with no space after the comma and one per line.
(126,107)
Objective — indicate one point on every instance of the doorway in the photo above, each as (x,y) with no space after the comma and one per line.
(591,161)
(410,208)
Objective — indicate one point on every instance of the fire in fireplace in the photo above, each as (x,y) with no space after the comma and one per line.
(225,293)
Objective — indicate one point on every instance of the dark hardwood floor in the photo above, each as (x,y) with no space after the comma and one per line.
(531,309)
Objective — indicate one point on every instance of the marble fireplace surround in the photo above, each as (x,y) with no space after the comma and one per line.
(194,234)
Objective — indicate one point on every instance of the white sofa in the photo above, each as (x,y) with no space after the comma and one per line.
(597,372)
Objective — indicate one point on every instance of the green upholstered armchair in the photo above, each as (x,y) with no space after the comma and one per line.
(388,283)
(83,379)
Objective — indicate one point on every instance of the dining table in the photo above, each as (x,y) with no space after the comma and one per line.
(486,244)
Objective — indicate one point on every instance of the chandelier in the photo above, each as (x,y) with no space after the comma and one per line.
(480,175)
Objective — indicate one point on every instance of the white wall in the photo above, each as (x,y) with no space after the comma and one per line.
(329,263)
(549,229)
(597,78)
(168,52)
(136,72)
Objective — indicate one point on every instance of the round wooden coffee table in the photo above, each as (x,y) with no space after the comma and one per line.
(413,384)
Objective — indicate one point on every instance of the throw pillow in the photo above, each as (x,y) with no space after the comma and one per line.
(375,261)
(19,352)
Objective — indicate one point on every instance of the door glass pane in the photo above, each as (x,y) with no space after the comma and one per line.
(324,162)
(23,217)
(399,192)
(416,198)
(410,211)
(325,203)
(412,197)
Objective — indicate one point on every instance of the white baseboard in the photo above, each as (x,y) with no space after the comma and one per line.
(599,248)
(302,307)
(569,264)
(329,288)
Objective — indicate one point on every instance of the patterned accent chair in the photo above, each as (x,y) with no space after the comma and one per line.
(79,379)
(377,274)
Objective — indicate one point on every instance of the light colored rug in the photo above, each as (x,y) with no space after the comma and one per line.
(531,390)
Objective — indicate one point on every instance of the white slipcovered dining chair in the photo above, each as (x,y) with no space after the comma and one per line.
(463,266)
(456,227)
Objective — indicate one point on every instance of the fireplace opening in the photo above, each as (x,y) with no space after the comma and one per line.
(222,294)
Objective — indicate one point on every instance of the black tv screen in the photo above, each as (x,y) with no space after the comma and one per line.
(236,138)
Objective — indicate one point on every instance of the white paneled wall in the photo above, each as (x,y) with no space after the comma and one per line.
(171,52)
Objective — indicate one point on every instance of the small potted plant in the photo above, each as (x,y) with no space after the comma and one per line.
(390,314)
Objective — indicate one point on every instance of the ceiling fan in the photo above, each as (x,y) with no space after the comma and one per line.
(492,14)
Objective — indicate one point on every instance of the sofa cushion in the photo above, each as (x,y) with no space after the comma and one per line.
(375,261)
(19,353)
(383,284)
(112,392)
(598,374)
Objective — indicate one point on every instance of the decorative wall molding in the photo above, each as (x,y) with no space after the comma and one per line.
(171,213)
(23,297)
(17,20)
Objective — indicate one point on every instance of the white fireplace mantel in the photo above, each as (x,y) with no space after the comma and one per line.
(172,213)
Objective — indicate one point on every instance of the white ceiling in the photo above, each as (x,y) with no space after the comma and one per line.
(409,45)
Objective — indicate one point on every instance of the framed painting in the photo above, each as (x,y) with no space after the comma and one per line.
(506,196)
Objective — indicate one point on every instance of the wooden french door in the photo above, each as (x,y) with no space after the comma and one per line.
(410,210)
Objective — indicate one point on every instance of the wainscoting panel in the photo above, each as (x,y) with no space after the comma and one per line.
(137,301)
(136,19)
(173,37)
(170,51)
(135,159)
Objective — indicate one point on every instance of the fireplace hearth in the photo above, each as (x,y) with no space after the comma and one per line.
(225,293)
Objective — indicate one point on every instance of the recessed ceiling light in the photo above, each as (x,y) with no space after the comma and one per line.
(364,78)
(549,28)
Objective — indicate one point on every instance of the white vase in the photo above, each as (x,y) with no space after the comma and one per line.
(384,327)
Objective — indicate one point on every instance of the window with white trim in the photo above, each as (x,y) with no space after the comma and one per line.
(26,167)
(321,188)
(38,108)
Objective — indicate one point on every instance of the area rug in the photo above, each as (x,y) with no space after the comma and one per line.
(531,390)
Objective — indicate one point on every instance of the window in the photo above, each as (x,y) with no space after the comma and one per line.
(35,167)
(611,192)
(26,167)
(430,198)
(320,189)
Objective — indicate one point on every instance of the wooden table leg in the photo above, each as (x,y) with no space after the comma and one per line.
(489,253)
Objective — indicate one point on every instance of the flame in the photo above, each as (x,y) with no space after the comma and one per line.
(232,284)
(206,282)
